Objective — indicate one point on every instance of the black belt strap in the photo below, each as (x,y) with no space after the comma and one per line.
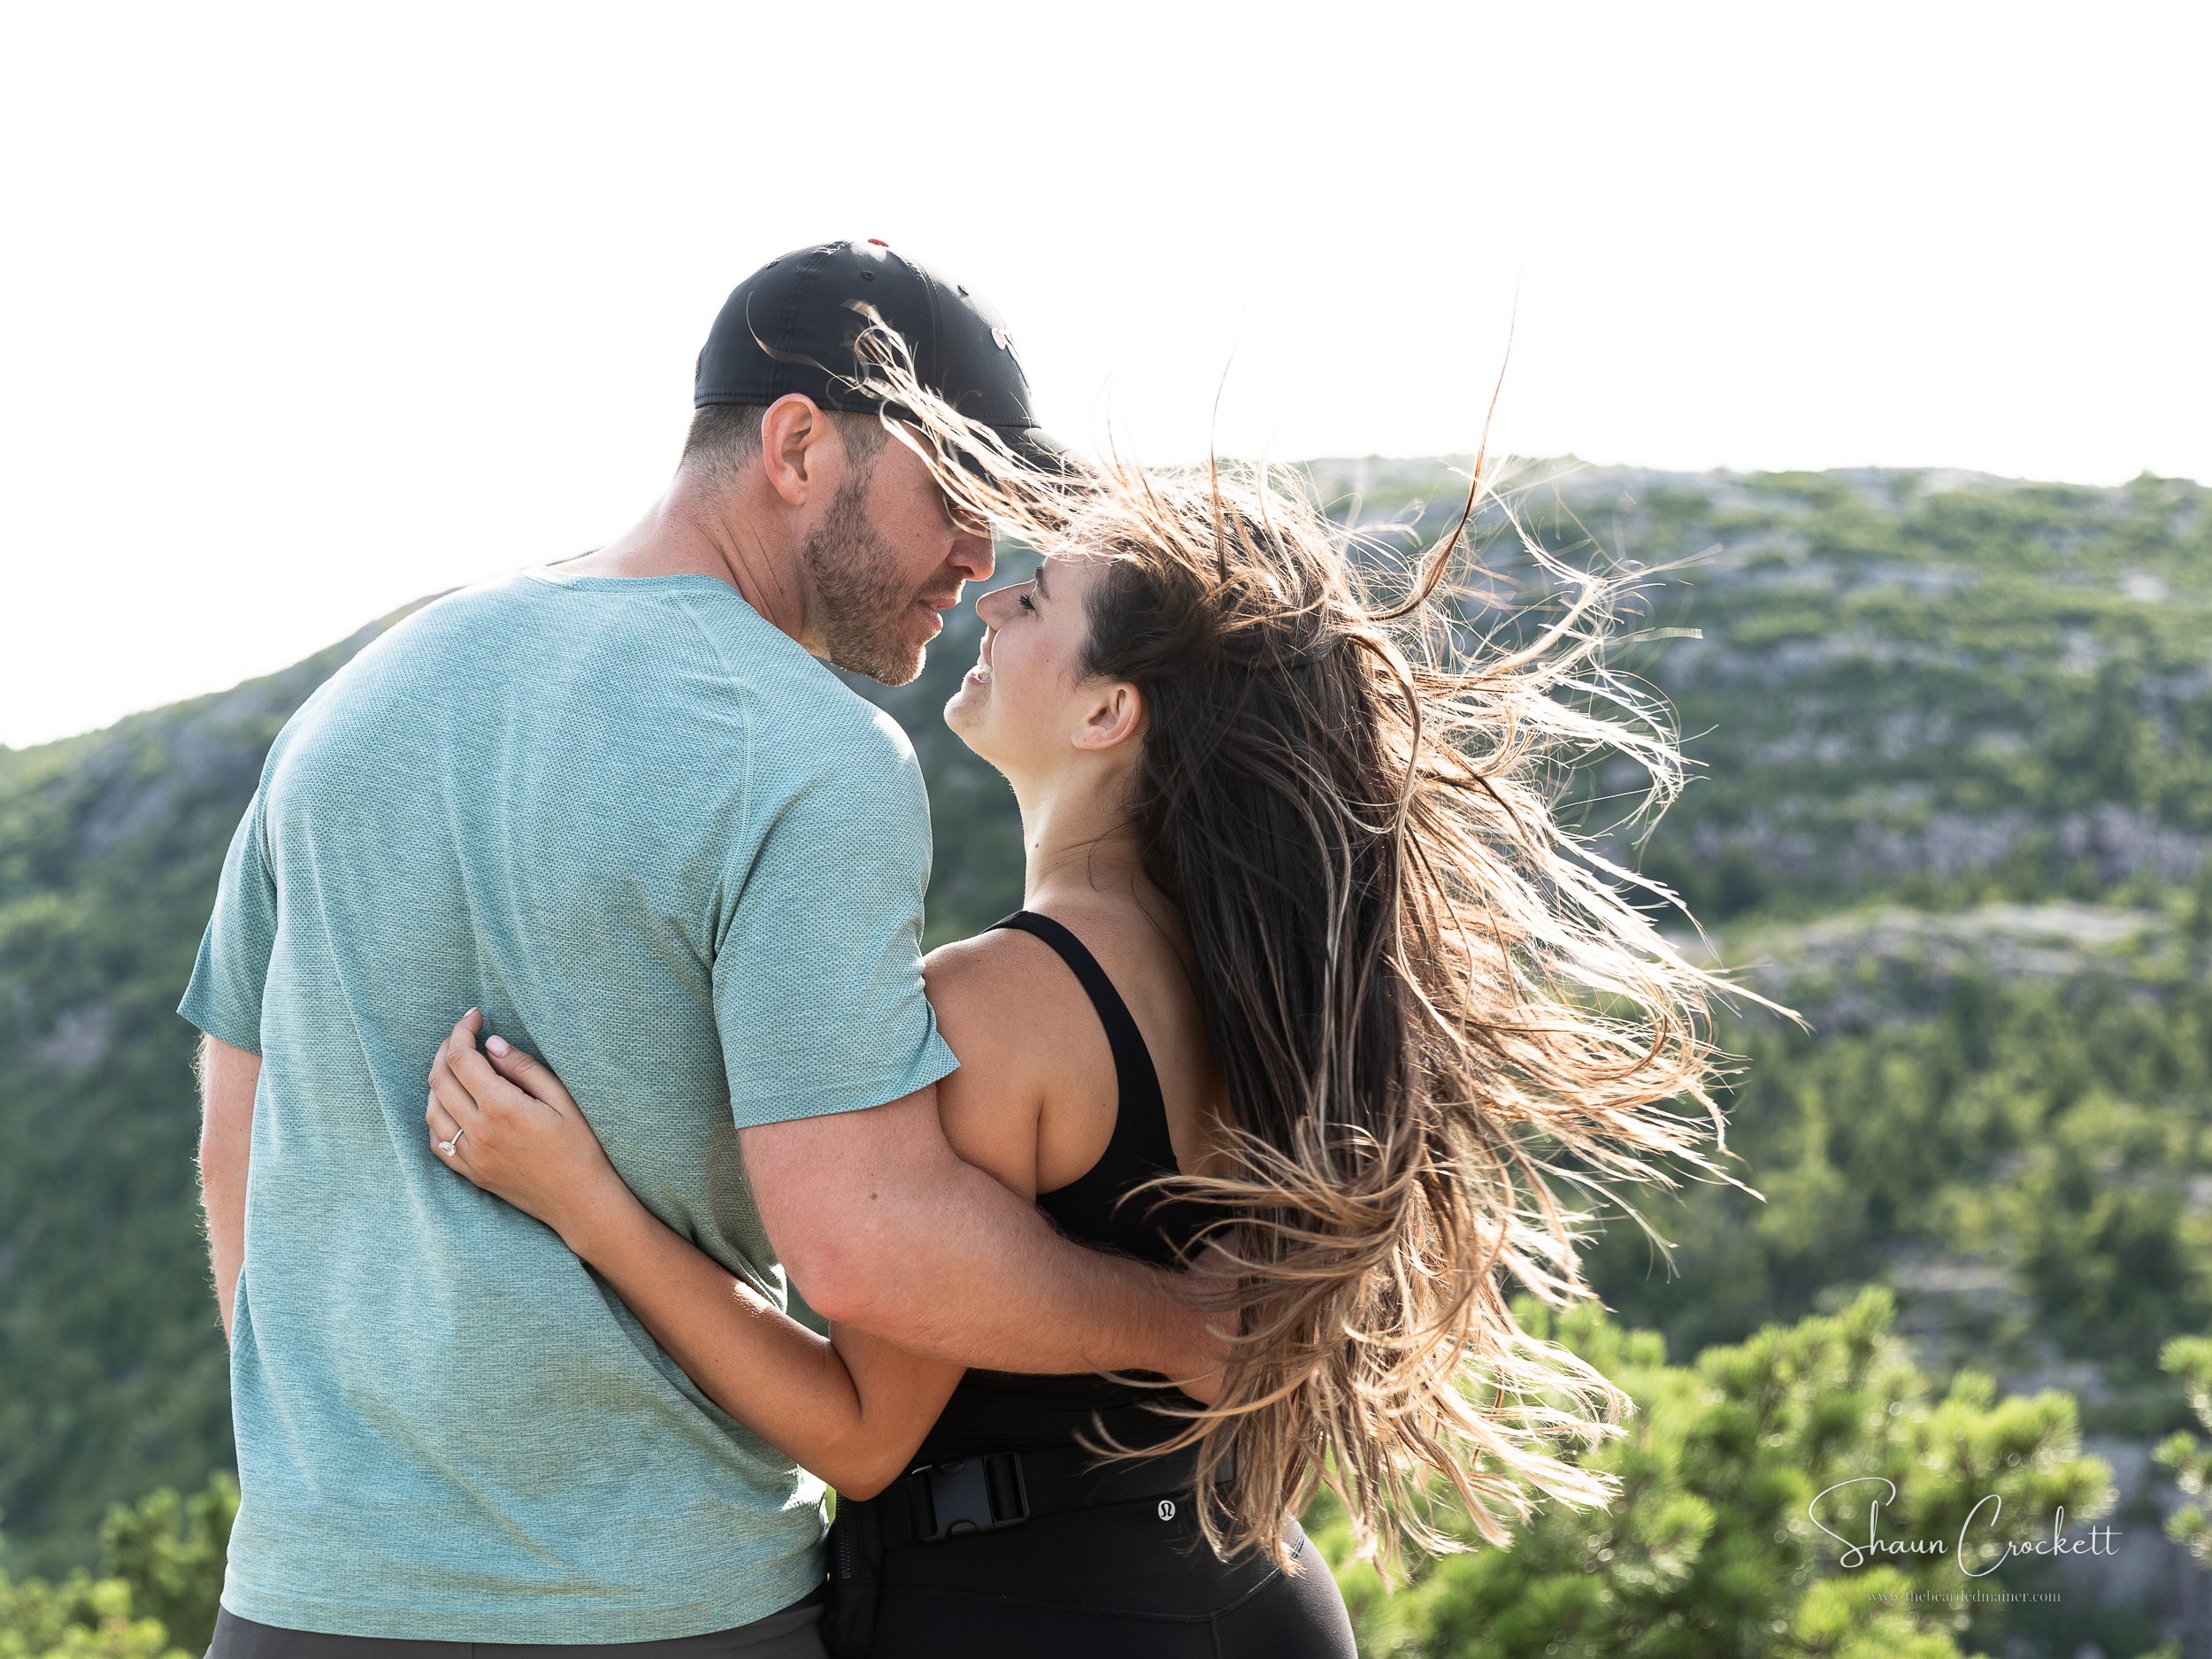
(995,1490)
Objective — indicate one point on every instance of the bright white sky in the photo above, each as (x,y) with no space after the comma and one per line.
(309,310)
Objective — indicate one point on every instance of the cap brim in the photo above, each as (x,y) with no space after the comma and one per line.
(1039,448)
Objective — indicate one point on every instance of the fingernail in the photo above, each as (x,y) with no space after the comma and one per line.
(497,1044)
(471,1014)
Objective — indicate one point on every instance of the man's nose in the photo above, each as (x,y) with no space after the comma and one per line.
(973,554)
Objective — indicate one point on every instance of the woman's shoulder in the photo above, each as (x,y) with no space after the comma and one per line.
(974,963)
(1005,992)
(1027,1040)
(1011,979)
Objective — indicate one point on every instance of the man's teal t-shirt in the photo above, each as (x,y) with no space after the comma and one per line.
(661,847)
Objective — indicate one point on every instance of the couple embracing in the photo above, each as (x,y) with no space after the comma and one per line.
(1201,1179)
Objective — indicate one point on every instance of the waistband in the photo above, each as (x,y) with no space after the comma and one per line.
(992,1491)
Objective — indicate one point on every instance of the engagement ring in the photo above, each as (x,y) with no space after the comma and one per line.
(446,1147)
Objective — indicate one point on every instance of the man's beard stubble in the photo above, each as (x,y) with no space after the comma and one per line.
(862,599)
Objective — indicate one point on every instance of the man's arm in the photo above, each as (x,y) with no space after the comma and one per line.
(883,1227)
(227,1079)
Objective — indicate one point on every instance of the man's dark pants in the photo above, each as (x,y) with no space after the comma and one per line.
(794,1633)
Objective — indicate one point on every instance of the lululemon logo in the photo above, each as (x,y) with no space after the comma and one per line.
(1167,1509)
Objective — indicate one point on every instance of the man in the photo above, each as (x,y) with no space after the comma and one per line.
(568,797)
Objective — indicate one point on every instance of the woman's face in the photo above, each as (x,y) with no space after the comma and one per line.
(1024,703)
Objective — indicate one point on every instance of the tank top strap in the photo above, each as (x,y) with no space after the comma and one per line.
(1141,1115)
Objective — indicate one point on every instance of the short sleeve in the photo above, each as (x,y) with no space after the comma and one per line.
(224,998)
(817,974)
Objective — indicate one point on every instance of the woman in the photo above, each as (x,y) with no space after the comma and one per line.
(1308,971)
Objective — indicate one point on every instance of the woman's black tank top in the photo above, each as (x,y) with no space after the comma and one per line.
(1005,1411)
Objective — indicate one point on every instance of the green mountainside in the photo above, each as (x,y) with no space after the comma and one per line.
(112,1375)
(1954,741)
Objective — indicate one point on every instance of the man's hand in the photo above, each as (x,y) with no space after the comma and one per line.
(229,1078)
(1205,1290)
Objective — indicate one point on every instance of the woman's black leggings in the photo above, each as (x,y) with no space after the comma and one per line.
(1121,1581)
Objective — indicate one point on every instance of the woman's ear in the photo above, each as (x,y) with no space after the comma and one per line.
(1112,716)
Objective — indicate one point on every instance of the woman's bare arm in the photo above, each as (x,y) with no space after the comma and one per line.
(852,1408)
(849,1408)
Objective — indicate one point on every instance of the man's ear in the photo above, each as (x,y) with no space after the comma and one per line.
(1113,716)
(792,434)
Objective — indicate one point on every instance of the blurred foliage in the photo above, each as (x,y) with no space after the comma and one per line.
(161,1573)
(1945,696)
(1712,1550)
(2189,1358)
(2054,1133)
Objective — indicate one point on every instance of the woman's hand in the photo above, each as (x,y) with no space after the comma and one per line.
(503,1120)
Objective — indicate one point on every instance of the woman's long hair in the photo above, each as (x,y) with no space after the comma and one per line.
(1438,1015)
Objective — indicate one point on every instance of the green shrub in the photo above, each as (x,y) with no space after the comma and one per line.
(161,1575)
(1711,1551)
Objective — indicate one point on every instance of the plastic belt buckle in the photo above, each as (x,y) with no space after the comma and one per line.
(962,1497)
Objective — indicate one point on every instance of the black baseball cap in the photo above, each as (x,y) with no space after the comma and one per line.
(790,328)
